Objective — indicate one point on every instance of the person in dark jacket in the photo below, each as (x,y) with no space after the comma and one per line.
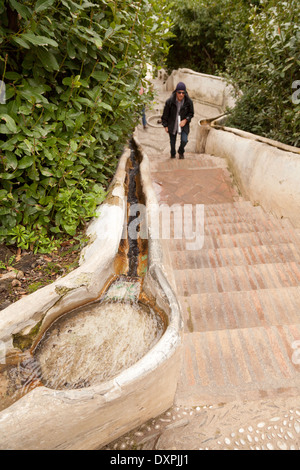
(177,115)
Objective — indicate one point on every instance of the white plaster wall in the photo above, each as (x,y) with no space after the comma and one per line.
(206,88)
(267,175)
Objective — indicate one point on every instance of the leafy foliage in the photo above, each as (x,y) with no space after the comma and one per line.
(255,45)
(264,64)
(201,29)
(72,71)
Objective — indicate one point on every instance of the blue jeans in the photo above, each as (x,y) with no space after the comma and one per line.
(144,120)
(183,142)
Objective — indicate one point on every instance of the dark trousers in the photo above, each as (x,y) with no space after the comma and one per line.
(183,142)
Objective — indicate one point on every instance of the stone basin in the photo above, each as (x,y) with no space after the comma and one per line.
(96,413)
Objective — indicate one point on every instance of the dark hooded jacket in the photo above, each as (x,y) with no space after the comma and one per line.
(170,111)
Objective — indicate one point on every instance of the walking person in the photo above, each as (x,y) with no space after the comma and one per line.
(144,119)
(177,115)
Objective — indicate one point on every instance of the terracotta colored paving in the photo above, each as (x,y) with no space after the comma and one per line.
(239,293)
(192,182)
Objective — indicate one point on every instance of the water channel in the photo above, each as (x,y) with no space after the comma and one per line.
(94,343)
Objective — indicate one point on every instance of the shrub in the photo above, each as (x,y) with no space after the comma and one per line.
(72,71)
(202,30)
(264,64)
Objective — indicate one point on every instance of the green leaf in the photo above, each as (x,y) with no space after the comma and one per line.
(10,92)
(21,9)
(9,122)
(70,229)
(11,160)
(46,172)
(21,42)
(4,210)
(71,49)
(100,76)
(125,104)
(105,135)
(26,110)
(104,105)
(13,76)
(31,95)
(43,5)
(25,162)
(73,145)
(98,43)
(55,230)
(39,40)
(9,144)
(86,101)
(10,176)
(48,154)
(121,64)
(68,81)
(48,60)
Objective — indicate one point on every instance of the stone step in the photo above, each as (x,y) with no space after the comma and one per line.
(197,162)
(249,217)
(253,238)
(227,206)
(242,211)
(250,220)
(248,309)
(239,364)
(235,256)
(183,224)
(237,278)
(233,207)
(236,208)
(241,227)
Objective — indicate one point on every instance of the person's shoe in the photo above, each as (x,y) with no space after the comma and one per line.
(181,157)
(173,156)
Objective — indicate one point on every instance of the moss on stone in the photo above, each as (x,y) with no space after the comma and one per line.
(62,290)
(24,342)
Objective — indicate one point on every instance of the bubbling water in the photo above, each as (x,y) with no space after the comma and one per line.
(95,343)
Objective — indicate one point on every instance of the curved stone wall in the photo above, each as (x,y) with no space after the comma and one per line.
(205,88)
(91,417)
(264,172)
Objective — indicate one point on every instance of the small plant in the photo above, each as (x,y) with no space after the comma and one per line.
(2,265)
(8,264)
(22,237)
(35,286)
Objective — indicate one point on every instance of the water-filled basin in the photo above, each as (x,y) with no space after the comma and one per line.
(95,343)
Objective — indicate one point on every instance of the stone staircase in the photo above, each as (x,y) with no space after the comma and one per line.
(240,301)
(239,294)
(240,298)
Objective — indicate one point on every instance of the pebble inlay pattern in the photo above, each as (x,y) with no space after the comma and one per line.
(178,425)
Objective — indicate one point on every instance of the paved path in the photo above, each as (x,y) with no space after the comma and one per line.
(240,301)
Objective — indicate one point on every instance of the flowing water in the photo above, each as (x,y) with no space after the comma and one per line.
(16,380)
